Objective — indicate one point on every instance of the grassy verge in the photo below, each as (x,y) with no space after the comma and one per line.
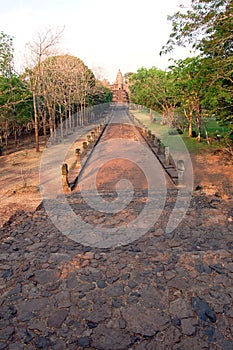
(162,132)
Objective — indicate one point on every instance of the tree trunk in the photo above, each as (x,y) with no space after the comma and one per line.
(6,138)
(66,117)
(51,127)
(6,133)
(61,124)
(36,123)
(150,115)
(81,115)
(199,123)
(70,121)
(206,134)
(191,124)
(44,126)
(198,130)
(77,120)
(15,135)
(84,113)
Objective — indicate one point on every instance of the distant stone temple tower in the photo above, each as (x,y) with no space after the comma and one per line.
(120,80)
(119,89)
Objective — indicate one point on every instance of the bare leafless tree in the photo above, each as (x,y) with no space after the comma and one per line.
(43,45)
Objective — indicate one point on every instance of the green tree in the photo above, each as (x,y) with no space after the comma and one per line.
(152,88)
(189,85)
(15,98)
(217,100)
(15,106)
(207,25)
(100,94)
(6,54)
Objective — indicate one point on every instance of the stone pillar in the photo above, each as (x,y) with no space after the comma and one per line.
(78,156)
(167,156)
(149,134)
(180,171)
(159,146)
(89,140)
(84,148)
(93,136)
(65,182)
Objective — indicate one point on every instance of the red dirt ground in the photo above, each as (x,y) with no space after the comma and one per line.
(19,177)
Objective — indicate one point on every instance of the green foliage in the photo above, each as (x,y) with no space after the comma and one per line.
(100,94)
(184,94)
(15,100)
(52,90)
(164,133)
(208,26)
(16,107)
(6,54)
(153,88)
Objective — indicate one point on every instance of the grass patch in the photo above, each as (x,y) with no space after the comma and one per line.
(162,132)
(212,125)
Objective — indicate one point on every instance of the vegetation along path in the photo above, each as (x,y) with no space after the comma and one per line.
(122,281)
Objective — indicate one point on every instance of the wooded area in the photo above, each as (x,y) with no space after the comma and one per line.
(56,86)
(51,90)
(198,86)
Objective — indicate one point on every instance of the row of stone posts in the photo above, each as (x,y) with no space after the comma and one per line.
(161,149)
(81,154)
(165,151)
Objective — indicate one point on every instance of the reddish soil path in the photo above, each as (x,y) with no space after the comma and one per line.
(19,175)
(158,290)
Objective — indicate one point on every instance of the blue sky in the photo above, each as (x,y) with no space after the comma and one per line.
(123,34)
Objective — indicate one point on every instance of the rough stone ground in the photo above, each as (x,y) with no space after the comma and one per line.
(162,291)
(19,176)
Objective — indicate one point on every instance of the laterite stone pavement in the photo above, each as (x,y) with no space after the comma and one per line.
(162,291)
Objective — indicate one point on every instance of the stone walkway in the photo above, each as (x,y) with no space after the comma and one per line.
(161,291)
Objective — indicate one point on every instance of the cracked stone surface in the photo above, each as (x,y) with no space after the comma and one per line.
(158,292)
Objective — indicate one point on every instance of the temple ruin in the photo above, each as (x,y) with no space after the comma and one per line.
(120,90)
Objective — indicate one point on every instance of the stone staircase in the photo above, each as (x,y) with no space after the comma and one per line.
(120,96)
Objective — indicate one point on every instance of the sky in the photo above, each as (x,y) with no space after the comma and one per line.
(107,35)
